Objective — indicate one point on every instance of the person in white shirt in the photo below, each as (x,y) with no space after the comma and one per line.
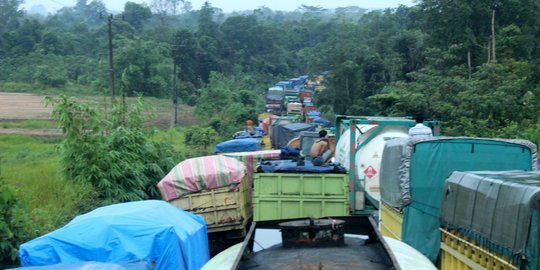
(419,130)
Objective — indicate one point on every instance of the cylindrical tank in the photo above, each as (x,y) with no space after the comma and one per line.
(368,157)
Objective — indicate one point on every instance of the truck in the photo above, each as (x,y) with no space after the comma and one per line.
(294,108)
(216,187)
(413,173)
(369,134)
(322,192)
(490,220)
(275,100)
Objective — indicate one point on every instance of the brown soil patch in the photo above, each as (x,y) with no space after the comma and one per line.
(21,106)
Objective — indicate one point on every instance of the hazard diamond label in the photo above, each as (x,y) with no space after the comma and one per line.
(370,172)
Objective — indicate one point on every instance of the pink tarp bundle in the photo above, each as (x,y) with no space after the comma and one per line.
(202,173)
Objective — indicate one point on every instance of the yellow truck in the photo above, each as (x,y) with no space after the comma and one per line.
(413,172)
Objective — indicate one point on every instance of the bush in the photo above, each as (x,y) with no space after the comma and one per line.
(114,155)
(14,224)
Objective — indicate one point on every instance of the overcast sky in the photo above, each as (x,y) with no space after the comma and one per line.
(229,6)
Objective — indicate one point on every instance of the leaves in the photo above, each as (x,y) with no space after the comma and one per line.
(115,156)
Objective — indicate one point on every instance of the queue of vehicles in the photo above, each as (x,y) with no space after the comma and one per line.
(405,196)
(383,164)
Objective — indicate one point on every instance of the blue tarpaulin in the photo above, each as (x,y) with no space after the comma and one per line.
(314,113)
(321,121)
(271,166)
(152,231)
(238,145)
(257,133)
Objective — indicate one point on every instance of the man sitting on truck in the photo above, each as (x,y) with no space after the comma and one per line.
(420,130)
(320,150)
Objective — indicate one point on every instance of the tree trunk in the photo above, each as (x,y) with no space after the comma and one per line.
(174,98)
(111,66)
(494,58)
(469,68)
(489,51)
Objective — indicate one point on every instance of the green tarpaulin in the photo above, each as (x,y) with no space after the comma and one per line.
(498,211)
(423,164)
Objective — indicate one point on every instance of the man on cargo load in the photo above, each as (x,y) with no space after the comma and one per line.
(419,130)
(320,150)
(249,126)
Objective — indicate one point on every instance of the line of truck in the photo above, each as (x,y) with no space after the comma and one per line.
(294,97)
(402,184)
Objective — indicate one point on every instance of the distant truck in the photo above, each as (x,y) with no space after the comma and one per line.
(275,100)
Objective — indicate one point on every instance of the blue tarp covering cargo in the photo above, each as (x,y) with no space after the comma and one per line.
(321,121)
(152,231)
(271,166)
(285,84)
(257,133)
(238,145)
(314,113)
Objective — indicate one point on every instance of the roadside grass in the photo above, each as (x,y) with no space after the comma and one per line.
(29,123)
(31,166)
(69,89)
(174,137)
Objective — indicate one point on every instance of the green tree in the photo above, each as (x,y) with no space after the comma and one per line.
(14,224)
(114,155)
(10,14)
(185,48)
(200,138)
(139,60)
(136,14)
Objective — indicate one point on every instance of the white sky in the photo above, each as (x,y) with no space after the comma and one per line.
(229,6)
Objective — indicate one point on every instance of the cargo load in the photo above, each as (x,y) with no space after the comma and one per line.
(199,174)
(412,175)
(215,187)
(498,212)
(239,145)
(146,231)
(252,159)
(282,134)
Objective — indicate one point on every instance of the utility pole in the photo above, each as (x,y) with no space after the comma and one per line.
(174,97)
(111,66)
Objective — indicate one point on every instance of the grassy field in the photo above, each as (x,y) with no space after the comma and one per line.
(31,164)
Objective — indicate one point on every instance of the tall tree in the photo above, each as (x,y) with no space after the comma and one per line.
(136,14)
(10,14)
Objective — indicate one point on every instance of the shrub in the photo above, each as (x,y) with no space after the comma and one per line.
(14,224)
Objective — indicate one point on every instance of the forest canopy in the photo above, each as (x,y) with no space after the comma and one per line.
(470,64)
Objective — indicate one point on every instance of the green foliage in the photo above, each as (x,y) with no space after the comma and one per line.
(115,156)
(51,77)
(136,14)
(30,123)
(40,202)
(14,224)
(228,101)
(199,139)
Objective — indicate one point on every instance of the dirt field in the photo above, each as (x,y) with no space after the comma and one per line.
(22,106)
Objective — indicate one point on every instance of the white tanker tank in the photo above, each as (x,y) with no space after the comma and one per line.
(371,135)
